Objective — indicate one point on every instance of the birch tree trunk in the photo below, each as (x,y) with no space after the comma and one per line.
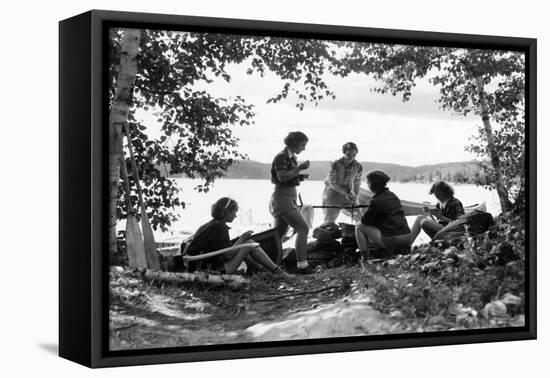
(233,280)
(118,116)
(505,203)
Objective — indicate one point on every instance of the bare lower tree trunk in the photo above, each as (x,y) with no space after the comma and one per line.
(505,203)
(118,116)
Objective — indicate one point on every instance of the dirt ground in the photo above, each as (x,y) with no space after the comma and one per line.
(149,315)
(431,289)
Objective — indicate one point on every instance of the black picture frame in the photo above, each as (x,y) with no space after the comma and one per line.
(83,264)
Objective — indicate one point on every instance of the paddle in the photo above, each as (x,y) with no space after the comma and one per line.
(220,251)
(148,238)
(134,239)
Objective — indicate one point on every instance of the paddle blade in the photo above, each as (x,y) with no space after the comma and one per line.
(134,244)
(307,213)
(149,243)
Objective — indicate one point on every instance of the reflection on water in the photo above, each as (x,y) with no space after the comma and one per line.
(253,198)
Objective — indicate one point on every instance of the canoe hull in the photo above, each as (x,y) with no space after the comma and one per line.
(410,208)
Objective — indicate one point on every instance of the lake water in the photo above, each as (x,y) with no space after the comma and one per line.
(253,198)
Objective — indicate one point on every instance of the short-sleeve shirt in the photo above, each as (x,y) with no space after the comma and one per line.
(211,236)
(283,162)
(344,174)
(453,209)
(385,212)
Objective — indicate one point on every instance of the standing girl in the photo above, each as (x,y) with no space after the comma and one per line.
(285,175)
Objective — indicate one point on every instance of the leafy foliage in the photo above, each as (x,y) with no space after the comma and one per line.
(450,286)
(477,283)
(195,136)
(455,72)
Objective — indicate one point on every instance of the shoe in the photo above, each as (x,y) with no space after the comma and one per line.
(307,270)
(280,273)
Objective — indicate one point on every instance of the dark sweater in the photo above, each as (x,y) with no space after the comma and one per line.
(385,213)
(211,236)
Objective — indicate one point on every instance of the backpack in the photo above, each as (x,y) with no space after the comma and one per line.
(327,232)
(477,221)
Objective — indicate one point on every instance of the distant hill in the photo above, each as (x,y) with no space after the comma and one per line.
(452,172)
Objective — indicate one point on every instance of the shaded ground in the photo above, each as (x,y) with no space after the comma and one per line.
(146,315)
(479,283)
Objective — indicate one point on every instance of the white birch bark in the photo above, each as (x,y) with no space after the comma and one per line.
(118,116)
(505,203)
(232,280)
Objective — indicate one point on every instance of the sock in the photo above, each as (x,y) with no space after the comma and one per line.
(302,264)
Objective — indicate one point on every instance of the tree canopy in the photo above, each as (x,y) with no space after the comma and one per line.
(487,83)
(195,128)
(195,135)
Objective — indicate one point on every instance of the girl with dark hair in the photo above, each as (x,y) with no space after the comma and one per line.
(447,210)
(214,235)
(342,183)
(383,224)
(285,175)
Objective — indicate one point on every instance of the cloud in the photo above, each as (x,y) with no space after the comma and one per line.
(352,93)
(387,138)
(386,129)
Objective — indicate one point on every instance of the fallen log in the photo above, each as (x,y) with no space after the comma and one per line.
(276,298)
(232,280)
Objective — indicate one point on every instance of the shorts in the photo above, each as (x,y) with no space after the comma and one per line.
(397,241)
(283,200)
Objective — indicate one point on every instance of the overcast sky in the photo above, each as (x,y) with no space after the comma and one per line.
(386,129)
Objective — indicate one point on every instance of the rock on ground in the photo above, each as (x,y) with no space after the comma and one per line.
(345,318)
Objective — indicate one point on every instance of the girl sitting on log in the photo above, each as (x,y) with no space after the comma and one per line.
(214,235)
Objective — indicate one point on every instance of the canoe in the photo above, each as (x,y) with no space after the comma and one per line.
(410,208)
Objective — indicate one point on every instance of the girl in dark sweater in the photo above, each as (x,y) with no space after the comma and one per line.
(383,224)
(214,235)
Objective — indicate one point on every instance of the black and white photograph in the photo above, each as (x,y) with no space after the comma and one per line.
(270,187)
(289,188)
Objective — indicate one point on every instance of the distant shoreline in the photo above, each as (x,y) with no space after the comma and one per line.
(321,180)
(457,172)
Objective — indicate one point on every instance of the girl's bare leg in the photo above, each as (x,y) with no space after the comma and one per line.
(256,254)
(417,227)
(366,235)
(297,222)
